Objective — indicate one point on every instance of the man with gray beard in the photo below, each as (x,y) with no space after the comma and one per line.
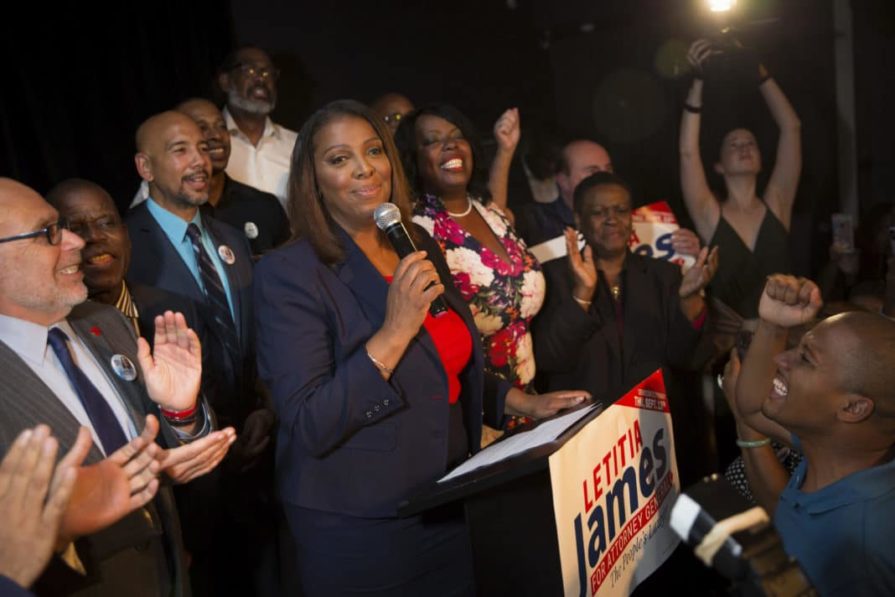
(261,149)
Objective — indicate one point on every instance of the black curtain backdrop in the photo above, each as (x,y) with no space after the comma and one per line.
(78,80)
(481,56)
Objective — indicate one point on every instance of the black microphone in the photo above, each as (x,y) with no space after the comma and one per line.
(388,218)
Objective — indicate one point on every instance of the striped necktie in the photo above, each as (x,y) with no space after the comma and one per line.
(215,295)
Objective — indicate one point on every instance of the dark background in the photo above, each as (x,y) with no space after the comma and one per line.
(77,81)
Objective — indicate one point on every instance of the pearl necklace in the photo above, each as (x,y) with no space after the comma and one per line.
(462,214)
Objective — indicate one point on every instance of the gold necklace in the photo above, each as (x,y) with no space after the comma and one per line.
(616,291)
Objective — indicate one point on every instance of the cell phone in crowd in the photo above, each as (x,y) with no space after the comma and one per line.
(843,233)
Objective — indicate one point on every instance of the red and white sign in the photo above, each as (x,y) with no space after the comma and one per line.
(614,484)
(652,226)
(651,235)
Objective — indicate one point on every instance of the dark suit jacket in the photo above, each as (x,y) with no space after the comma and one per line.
(578,349)
(9,588)
(241,204)
(228,380)
(142,553)
(539,222)
(151,302)
(348,441)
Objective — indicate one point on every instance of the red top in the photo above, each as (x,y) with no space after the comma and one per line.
(453,343)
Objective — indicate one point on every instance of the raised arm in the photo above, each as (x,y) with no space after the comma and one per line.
(767,476)
(786,302)
(506,133)
(698,197)
(781,190)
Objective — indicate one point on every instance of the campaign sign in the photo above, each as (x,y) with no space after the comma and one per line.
(653,225)
(614,484)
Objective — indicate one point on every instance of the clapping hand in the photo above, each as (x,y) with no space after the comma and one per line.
(702,272)
(173,370)
(107,491)
(33,499)
(192,460)
(584,270)
(788,301)
(685,242)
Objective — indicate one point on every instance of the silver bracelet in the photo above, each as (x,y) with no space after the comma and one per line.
(379,364)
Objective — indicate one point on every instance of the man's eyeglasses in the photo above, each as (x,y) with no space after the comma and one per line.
(53,232)
(393,118)
(252,71)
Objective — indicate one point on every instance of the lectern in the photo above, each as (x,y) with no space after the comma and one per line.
(583,511)
(509,512)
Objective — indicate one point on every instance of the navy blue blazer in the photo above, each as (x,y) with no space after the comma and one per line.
(9,588)
(349,441)
(228,380)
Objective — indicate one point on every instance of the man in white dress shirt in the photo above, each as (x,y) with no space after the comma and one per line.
(261,150)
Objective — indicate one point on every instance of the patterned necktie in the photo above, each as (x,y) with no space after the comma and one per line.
(214,292)
(98,410)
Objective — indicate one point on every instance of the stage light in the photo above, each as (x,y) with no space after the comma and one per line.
(721,5)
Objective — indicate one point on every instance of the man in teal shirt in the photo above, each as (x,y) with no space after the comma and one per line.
(833,398)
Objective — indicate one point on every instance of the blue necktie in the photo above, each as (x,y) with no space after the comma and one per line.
(98,410)
(215,294)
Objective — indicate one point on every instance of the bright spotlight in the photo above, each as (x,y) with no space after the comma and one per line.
(721,5)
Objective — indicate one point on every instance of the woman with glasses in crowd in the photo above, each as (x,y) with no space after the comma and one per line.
(490,265)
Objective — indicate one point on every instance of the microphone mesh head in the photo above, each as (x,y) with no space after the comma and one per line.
(387,214)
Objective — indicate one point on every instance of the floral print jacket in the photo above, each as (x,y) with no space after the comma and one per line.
(503,296)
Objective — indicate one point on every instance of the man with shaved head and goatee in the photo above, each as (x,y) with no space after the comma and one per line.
(181,251)
(833,398)
(257,214)
(262,150)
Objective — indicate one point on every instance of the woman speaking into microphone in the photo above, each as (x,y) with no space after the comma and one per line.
(375,397)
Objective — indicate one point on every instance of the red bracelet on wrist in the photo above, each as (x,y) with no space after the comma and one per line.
(179,415)
(700,319)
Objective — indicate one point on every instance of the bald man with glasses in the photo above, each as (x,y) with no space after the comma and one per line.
(77,367)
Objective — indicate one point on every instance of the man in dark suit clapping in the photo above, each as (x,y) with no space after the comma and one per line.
(76,366)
